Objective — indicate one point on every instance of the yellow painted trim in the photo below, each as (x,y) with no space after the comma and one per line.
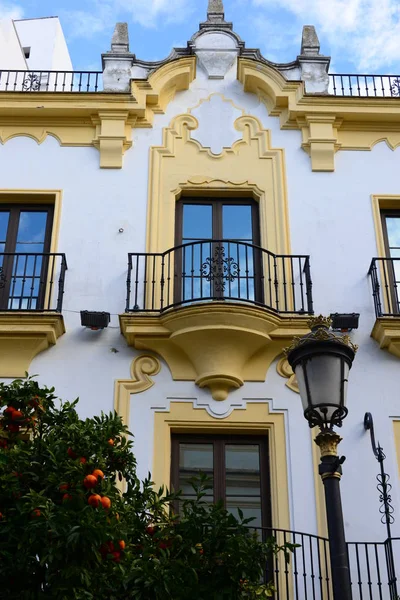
(386,332)
(255,420)
(23,336)
(328,123)
(103,120)
(224,99)
(396,429)
(219,345)
(381,202)
(285,370)
(251,167)
(143,368)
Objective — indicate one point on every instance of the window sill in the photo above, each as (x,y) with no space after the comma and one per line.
(23,335)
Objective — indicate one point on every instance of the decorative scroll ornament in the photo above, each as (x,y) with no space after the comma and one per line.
(220,269)
(395,87)
(320,332)
(31,83)
(285,370)
(3,279)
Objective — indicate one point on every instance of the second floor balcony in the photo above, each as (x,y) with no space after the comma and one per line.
(218,311)
(219,270)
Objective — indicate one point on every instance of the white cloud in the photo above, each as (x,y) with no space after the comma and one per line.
(11,11)
(147,13)
(367,30)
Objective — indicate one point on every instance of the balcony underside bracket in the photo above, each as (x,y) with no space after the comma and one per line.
(219,345)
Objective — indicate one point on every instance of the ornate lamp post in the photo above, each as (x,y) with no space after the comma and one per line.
(321,361)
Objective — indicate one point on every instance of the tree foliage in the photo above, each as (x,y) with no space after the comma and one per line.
(67,532)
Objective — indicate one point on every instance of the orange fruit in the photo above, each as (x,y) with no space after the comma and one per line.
(63,487)
(94,500)
(116,556)
(71,453)
(111,442)
(13,427)
(83,460)
(9,411)
(150,529)
(106,502)
(122,544)
(36,513)
(66,497)
(98,473)
(90,481)
(17,415)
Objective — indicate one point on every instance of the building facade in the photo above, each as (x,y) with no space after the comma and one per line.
(209,203)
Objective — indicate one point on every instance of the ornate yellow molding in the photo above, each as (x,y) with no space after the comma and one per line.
(386,332)
(103,120)
(23,336)
(285,370)
(257,419)
(328,123)
(143,368)
(218,345)
(250,167)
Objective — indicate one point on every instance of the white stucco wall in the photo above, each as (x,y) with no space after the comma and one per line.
(330,219)
(11,55)
(45,37)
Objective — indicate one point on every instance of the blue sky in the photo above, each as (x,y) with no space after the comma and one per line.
(361,36)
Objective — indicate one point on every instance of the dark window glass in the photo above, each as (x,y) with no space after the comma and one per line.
(24,241)
(237,469)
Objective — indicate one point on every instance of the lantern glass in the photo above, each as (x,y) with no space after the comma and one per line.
(322,380)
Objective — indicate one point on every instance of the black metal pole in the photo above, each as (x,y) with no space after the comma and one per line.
(331,471)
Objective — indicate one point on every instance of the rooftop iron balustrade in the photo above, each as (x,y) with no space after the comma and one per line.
(32,281)
(385,279)
(50,81)
(307,576)
(376,86)
(219,270)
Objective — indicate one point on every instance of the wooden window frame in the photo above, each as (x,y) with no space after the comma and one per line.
(15,210)
(219,441)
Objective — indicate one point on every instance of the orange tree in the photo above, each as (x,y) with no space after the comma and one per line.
(67,532)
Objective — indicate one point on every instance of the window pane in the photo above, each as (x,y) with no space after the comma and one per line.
(242,470)
(251,508)
(197,221)
(31,231)
(393,230)
(4,218)
(237,222)
(193,460)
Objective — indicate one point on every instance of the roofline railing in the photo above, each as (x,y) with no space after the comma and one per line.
(32,80)
(364,85)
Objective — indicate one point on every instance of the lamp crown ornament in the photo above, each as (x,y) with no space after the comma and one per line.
(320,332)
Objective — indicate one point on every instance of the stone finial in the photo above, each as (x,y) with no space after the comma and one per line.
(314,66)
(120,39)
(309,41)
(215,12)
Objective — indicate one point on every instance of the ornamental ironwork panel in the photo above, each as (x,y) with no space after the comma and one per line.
(220,269)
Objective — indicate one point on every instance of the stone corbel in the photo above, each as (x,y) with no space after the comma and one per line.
(320,140)
(113,137)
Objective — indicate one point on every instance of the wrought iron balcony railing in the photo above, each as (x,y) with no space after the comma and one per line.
(308,575)
(219,270)
(32,281)
(50,81)
(385,279)
(379,86)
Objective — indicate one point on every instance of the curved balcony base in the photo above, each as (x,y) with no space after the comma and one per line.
(219,345)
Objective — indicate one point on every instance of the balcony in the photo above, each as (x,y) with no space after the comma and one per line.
(385,279)
(307,575)
(50,81)
(364,86)
(218,311)
(31,296)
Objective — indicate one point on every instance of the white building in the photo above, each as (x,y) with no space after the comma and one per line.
(213,143)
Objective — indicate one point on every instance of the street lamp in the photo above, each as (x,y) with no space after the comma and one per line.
(321,362)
